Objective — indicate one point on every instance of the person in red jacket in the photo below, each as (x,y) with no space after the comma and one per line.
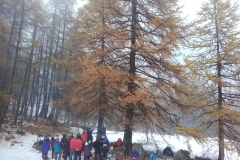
(78,148)
(84,137)
(72,149)
(119,142)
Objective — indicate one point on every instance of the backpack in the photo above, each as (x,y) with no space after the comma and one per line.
(135,153)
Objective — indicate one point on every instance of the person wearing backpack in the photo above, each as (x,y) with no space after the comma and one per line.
(45,148)
(57,149)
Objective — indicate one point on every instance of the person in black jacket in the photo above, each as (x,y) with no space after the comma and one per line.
(52,142)
(90,137)
(65,147)
(168,151)
(105,150)
(97,145)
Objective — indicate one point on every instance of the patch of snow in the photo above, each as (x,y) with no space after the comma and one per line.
(24,150)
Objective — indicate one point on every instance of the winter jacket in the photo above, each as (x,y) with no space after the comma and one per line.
(97,145)
(106,141)
(45,146)
(119,142)
(105,149)
(168,152)
(78,145)
(72,143)
(103,131)
(52,142)
(89,134)
(134,154)
(87,151)
(57,146)
(65,144)
(84,136)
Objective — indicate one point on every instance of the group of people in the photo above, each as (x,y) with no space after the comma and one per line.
(71,146)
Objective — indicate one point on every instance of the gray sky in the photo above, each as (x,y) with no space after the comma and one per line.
(190,7)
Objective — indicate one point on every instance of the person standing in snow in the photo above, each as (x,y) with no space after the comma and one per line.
(105,140)
(45,148)
(84,137)
(72,148)
(78,148)
(90,137)
(66,149)
(105,150)
(57,149)
(64,146)
(97,145)
(87,152)
(102,131)
(71,136)
(52,142)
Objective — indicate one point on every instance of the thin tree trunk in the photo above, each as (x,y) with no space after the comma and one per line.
(16,58)
(220,96)
(38,84)
(46,92)
(131,85)
(6,71)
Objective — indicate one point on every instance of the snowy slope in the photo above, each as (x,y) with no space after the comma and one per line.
(24,151)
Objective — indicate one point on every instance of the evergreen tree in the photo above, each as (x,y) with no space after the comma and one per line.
(140,45)
(215,62)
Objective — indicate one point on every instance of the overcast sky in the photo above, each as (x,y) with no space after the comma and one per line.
(190,7)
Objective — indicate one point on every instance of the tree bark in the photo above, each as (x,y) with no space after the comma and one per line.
(16,58)
(131,85)
(220,96)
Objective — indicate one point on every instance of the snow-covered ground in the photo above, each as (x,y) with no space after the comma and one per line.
(22,150)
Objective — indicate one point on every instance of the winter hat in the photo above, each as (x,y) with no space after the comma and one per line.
(46,138)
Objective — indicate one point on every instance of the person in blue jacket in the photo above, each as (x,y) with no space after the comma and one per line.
(102,131)
(105,140)
(45,148)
